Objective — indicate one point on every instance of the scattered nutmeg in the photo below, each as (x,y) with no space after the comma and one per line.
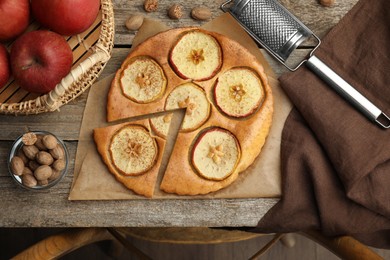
(150,5)
(134,22)
(327,3)
(175,11)
(201,13)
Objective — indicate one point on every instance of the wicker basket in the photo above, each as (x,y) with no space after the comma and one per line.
(91,51)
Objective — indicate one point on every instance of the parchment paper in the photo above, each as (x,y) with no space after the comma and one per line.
(92,180)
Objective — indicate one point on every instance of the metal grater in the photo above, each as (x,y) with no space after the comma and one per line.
(280,33)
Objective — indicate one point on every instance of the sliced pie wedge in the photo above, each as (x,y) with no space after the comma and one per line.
(131,154)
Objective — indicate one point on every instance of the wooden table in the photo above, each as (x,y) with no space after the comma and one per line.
(21,208)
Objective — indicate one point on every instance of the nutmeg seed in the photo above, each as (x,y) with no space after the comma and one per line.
(44,158)
(17,165)
(20,154)
(30,151)
(39,143)
(29,138)
(33,165)
(27,170)
(59,165)
(175,11)
(43,172)
(43,182)
(150,5)
(55,175)
(134,22)
(201,13)
(29,180)
(49,141)
(58,152)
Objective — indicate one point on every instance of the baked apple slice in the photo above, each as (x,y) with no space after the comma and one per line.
(238,92)
(215,154)
(143,80)
(194,99)
(133,151)
(196,55)
(161,124)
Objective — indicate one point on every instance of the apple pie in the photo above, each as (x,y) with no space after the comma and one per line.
(228,107)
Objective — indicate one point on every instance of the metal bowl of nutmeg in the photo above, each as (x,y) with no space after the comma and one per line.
(38,160)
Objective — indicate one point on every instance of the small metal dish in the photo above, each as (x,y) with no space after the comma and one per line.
(17,146)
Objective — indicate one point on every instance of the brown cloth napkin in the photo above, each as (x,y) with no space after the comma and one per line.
(336,163)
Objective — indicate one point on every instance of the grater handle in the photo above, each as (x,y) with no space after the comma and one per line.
(348,92)
(223,6)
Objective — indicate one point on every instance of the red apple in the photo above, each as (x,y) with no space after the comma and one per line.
(66,17)
(4,66)
(15,17)
(39,60)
